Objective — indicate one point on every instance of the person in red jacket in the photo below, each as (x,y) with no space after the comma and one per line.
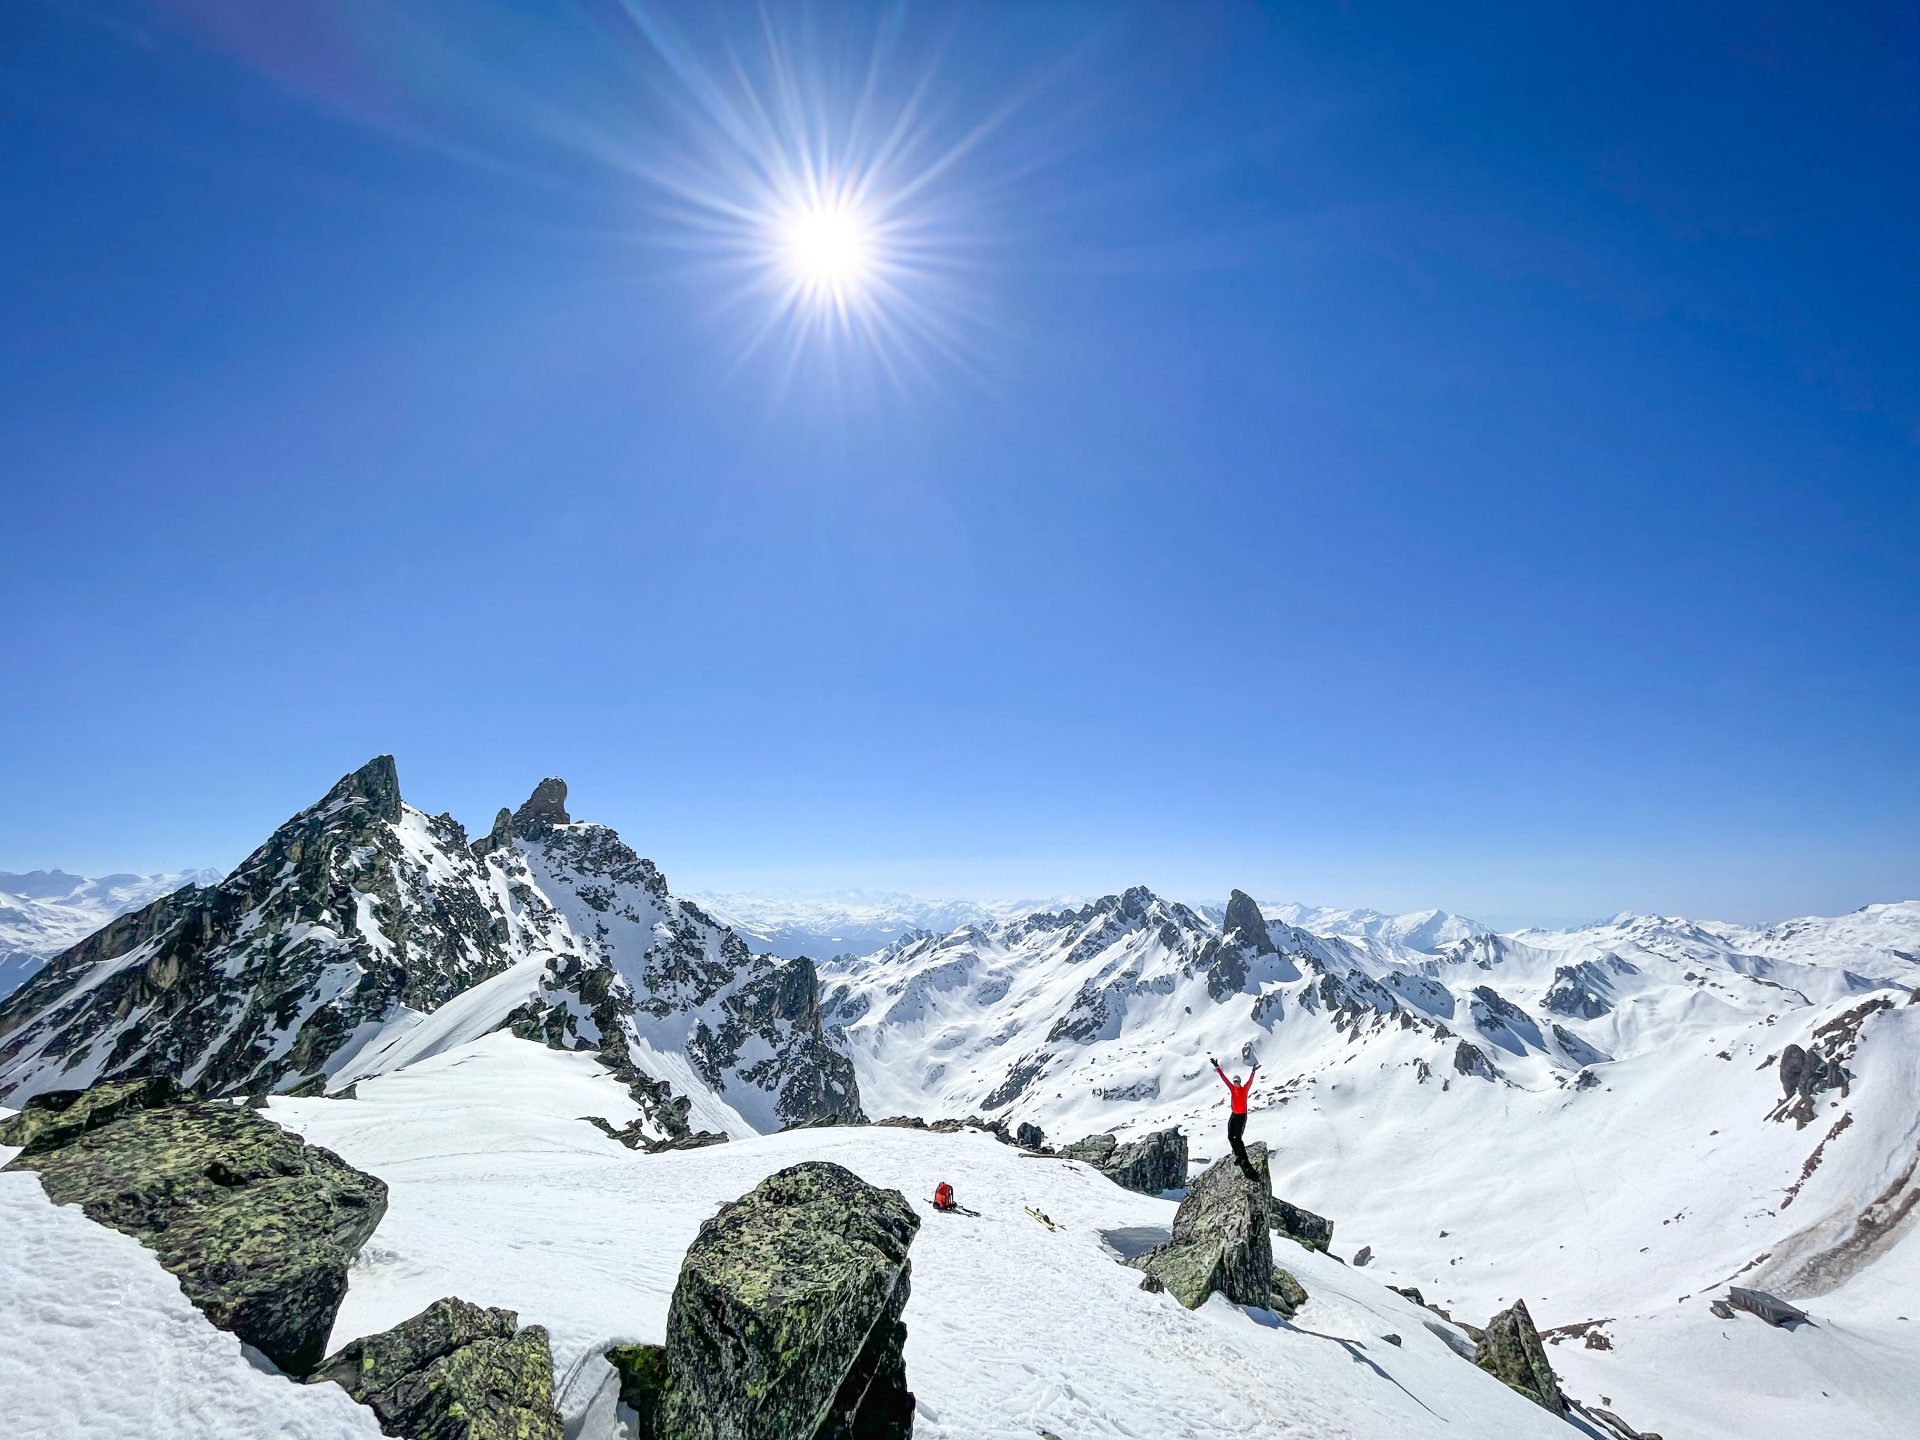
(1237,1122)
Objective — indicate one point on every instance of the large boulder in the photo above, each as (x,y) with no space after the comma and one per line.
(57,1117)
(1509,1349)
(258,1226)
(1302,1226)
(786,1321)
(1095,1150)
(1151,1165)
(455,1371)
(1221,1240)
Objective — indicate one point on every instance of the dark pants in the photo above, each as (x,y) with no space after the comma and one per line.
(1236,1127)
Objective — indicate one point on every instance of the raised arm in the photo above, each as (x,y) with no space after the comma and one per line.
(1218,1071)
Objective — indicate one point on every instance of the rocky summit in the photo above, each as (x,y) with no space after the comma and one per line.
(786,1321)
(258,1226)
(455,1371)
(1221,1241)
(316,960)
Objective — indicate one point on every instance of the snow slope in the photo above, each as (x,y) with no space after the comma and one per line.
(43,912)
(96,1339)
(1592,1120)
(499,1195)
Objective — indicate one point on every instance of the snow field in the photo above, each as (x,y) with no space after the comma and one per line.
(500,1196)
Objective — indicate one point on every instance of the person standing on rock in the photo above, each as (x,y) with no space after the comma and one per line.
(1237,1122)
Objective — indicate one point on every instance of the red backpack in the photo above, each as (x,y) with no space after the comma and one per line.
(943,1196)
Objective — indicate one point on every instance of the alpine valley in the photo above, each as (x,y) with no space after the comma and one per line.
(538,1051)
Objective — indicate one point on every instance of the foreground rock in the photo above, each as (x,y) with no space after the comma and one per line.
(455,1371)
(1151,1165)
(1221,1242)
(1510,1350)
(258,1226)
(785,1323)
(59,1117)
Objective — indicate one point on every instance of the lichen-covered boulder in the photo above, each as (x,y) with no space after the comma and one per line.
(1029,1136)
(1221,1240)
(1095,1150)
(258,1226)
(1152,1164)
(1509,1349)
(1302,1226)
(455,1371)
(56,1117)
(786,1320)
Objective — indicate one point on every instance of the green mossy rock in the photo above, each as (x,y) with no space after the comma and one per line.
(258,1226)
(57,1117)
(1221,1240)
(1288,1293)
(455,1371)
(643,1380)
(1509,1349)
(786,1321)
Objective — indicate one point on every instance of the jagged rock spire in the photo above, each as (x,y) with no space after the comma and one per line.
(1244,915)
(546,807)
(377,782)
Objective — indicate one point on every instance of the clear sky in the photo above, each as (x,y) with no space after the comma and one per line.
(1366,453)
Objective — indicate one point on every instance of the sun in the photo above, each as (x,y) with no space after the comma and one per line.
(828,248)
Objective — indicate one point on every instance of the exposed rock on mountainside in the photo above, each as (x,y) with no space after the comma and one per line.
(1510,1350)
(785,1323)
(1152,1164)
(1805,1073)
(320,956)
(453,1372)
(43,912)
(258,1225)
(1220,1239)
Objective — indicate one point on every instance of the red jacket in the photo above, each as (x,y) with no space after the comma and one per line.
(1238,1092)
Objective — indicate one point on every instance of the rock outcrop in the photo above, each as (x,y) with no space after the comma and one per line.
(59,1117)
(1221,1239)
(1303,1227)
(1151,1165)
(786,1321)
(258,1226)
(455,1371)
(1510,1350)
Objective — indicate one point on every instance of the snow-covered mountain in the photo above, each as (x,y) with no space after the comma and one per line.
(1613,1120)
(851,922)
(365,935)
(43,912)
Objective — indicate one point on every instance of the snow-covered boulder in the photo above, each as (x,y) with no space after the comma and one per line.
(1510,1350)
(786,1320)
(455,1371)
(1220,1239)
(259,1226)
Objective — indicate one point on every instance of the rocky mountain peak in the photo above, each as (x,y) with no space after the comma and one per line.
(377,782)
(1244,916)
(545,808)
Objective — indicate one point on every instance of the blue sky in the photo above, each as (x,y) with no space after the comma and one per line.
(1367,454)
